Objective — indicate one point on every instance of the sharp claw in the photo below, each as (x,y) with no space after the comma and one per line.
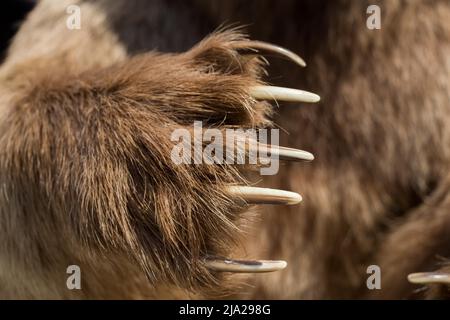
(290,154)
(256,195)
(283,94)
(287,154)
(429,277)
(256,148)
(245,266)
(260,45)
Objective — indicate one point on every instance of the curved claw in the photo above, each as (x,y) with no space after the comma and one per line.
(290,154)
(261,45)
(245,266)
(256,195)
(287,154)
(254,147)
(283,94)
(429,277)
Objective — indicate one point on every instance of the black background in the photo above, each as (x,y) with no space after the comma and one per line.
(279,309)
(12,13)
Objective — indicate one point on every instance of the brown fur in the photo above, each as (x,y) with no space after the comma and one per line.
(85,164)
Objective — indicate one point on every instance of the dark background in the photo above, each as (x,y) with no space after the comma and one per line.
(12,12)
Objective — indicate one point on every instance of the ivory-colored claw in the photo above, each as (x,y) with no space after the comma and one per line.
(245,266)
(256,195)
(283,94)
(287,154)
(256,148)
(429,277)
(261,45)
(290,154)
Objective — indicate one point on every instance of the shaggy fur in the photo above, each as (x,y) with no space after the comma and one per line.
(87,179)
